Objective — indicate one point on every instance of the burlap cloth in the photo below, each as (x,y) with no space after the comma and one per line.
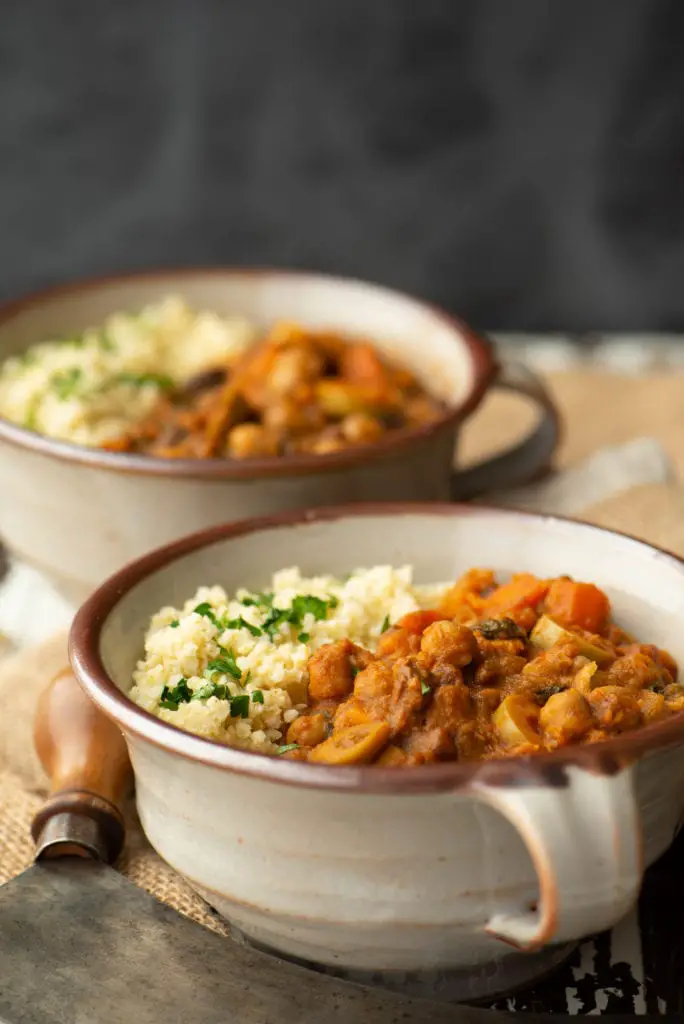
(598,409)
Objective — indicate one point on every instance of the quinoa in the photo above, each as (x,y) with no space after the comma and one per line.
(92,387)
(234,668)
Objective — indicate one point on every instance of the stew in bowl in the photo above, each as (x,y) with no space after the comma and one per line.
(375,669)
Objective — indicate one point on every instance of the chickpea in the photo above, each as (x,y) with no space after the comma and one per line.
(293,418)
(652,706)
(374,681)
(330,671)
(565,717)
(291,368)
(449,642)
(251,440)
(326,445)
(308,730)
(614,708)
(361,428)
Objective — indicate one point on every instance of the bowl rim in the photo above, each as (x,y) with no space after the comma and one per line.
(479,348)
(550,768)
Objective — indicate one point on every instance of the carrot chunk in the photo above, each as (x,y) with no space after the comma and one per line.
(418,622)
(522,591)
(577,604)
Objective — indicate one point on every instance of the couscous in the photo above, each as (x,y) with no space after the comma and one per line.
(93,387)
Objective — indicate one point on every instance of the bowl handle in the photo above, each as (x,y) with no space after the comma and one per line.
(524,462)
(583,833)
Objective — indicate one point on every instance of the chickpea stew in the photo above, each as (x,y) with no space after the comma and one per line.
(173,382)
(377,670)
(493,671)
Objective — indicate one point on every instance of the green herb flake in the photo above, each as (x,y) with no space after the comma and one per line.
(257,697)
(385,624)
(66,384)
(141,380)
(288,746)
(274,621)
(241,623)
(424,688)
(174,624)
(303,604)
(263,600)
(226,664)
(304,638)
(239,706)
(219,690)
(208,612)
(307,604)
(172,696)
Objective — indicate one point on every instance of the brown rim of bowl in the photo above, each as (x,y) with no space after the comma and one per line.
(549,768)
(483,362)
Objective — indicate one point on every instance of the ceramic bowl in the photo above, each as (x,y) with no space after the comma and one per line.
(77,514)
(451,866)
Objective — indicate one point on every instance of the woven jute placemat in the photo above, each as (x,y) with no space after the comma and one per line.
(598,409)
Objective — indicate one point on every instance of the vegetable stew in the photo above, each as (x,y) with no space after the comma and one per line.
(296,391)
(494,671)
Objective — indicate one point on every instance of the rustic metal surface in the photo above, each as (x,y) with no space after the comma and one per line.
(81,945)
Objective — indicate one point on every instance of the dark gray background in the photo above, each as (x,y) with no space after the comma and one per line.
(520,161)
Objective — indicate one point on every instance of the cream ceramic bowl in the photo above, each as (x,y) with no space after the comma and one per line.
(439,867)
(77,514)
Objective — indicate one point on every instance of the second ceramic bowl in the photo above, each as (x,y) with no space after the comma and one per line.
(77,514)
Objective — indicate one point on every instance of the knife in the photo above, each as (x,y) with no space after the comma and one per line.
(79,944)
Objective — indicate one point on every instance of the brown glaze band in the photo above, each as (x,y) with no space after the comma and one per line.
(606,757)
(483,363)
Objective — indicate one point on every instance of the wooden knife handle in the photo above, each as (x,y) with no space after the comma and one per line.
(86,759)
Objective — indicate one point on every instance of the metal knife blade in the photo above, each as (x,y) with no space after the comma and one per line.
(79,944)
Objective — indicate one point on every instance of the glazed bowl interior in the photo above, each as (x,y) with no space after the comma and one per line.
(434,345)
(645,585)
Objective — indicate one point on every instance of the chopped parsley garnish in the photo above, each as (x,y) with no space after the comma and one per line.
(354,671)
(274,620)
(239,706)
(304,638)
(287,746)
(219,690)
(172,696)
(257,697)
(424,688)
(208,612)
(385,624)
(303,604)
(241,623)
(225,663)
(65,384)
(264,600)
(174,624)
(141,380)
